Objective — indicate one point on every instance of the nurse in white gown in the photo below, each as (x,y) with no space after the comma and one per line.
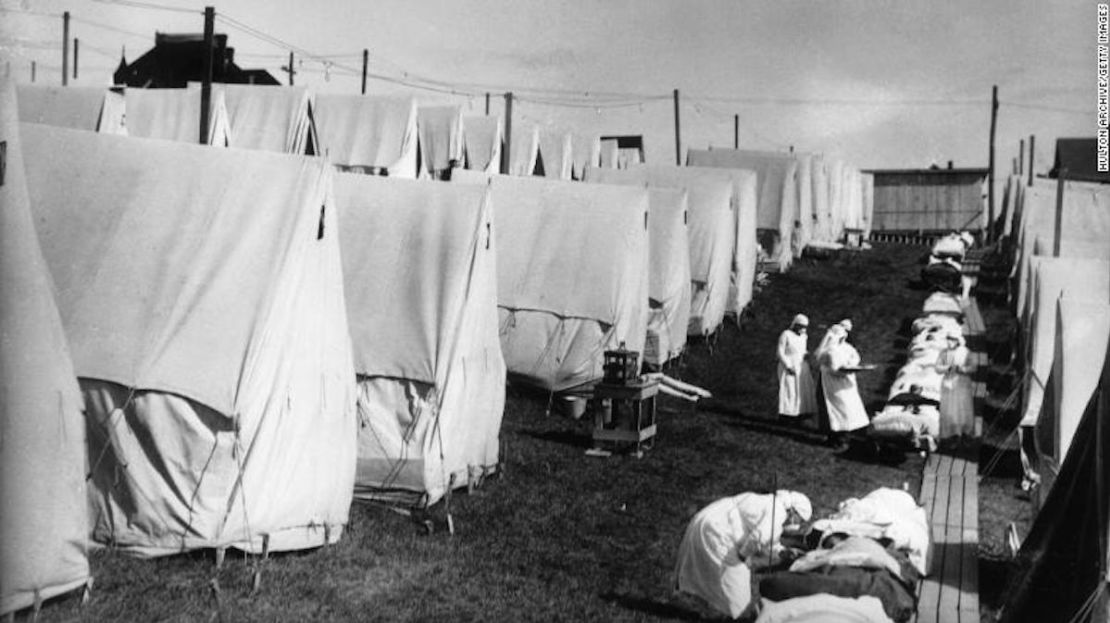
(797,389)
(838,381)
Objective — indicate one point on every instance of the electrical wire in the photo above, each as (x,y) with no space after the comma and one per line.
(150,5)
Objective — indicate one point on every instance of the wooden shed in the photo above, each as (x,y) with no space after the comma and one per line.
(929,200)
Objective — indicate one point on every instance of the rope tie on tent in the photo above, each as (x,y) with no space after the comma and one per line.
(107,426)
(996,425)
(395,467)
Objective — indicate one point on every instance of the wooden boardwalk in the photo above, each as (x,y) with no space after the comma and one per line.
(950,495)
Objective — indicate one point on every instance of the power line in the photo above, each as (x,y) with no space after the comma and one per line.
(150,5)
(89,22)
(1044,107)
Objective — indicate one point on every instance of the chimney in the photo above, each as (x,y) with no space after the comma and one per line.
(950,165)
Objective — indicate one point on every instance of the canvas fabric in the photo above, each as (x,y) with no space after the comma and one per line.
(586,153)
(43,516)
(202,294)
(269,118)
(1082,329)
(1076,278)
(368,131)
(173,115)
(777,190)
(440,129)
(525,149)
(78,108)
(556,149)
(482,136)
(420,280)
(572,275)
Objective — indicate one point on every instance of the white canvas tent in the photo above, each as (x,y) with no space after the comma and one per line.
(440,129)
(421,285)
(586,150)
(777,190)
(525,149)
(43,505)
(270,118)
(1085,227)
(1083,279)
(572,275)
(669,283)
(1062,572)
(173,115)
(710,300)
(557,153)
(1082,329)
(364,133)
(202,294)
(482,137)
(80,108)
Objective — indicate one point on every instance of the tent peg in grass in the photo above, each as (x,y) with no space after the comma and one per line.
(86,594)
(214,589)
(265,547)
(220,553)
(327,534)
(37,607)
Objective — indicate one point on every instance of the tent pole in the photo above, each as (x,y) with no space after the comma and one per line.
(65,48)
(1031,143)
(677,133)
(736,131)
(206,78)
(365,62)
(76,47)
(1061,176)
(990,172)
(507,150)
(487,103)
(1021,156)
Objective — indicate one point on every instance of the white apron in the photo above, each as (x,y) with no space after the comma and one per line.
(797,392)
(846,410)
(957,404)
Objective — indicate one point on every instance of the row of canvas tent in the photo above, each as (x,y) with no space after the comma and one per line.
(252,335)
(1060,295)
(380,134)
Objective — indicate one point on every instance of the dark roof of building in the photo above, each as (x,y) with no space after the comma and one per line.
(1080,157)
(177,59)
(930,171)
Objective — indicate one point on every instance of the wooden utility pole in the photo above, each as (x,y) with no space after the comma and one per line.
(65,48)
(677,132)
(365,63)
(487,103)
(506,152)
(1032,140)
(1021,157)
(289,69)
(206,77)
(33,71)
(990,169)
(1015,167)
(736,131)
(1061,175)
(76,49)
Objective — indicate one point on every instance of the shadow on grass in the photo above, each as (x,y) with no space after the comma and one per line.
(654,607)
(797,431)
(562,437)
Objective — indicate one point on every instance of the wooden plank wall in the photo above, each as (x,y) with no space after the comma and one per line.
(927,202)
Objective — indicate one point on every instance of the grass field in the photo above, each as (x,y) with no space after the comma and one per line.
(561,536)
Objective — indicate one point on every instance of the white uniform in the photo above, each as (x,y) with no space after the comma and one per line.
(797,391)
(846,410)
(711,559)
(957,406)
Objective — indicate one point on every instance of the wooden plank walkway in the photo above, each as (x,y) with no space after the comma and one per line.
(950,495)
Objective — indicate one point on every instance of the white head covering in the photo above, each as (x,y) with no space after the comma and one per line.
(847,324)
(967,238)
(796,501)
(801,320)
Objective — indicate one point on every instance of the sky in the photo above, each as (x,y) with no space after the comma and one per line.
(882,84)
